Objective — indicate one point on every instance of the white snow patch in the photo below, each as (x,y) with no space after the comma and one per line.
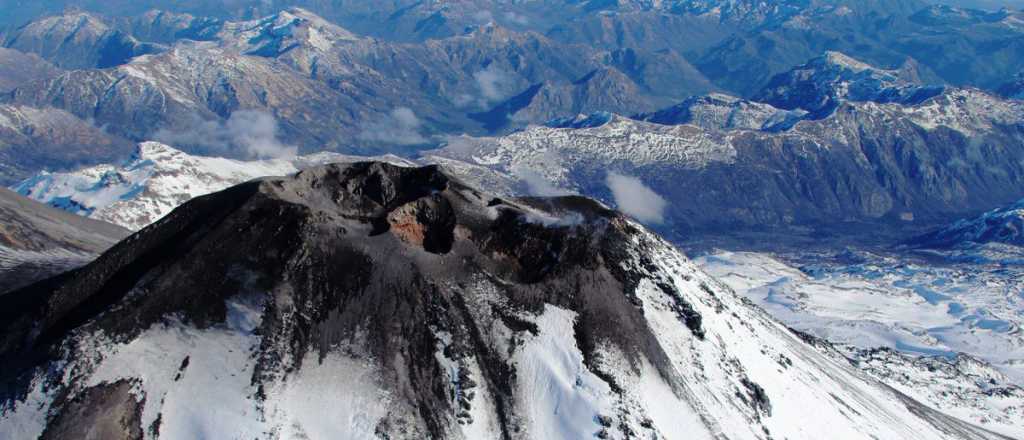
(213,397)
(561,399)
(337,397)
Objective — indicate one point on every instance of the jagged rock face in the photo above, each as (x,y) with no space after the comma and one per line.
(400,303)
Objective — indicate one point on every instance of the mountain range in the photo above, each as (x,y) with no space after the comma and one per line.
(486,67)
(835,143)
(858,153)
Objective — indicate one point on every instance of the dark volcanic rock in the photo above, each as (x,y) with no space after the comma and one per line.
(377,221)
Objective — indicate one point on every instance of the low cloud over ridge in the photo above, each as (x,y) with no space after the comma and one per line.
(252,132)
(400,127)
(636,199)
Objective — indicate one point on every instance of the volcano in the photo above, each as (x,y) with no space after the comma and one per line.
(369,300)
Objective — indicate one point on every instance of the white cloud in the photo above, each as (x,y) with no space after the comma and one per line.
(256,131)
(483,16)
(494,84)
(400,127)
(636,199)
(516,18)
(537,184)
(250,132)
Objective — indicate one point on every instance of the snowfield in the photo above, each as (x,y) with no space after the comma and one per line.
(925,314)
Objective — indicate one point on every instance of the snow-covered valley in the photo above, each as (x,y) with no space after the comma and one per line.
(947,333)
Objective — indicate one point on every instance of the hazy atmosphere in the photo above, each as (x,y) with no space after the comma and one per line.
(512,219)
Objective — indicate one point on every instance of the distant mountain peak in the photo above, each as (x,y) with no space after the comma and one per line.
(583,120)
(77,39)
(276,34)
(819,85)
(718,111)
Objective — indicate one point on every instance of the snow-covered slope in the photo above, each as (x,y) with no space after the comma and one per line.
(443,312)
(949,335)
(872,300)
(290,29)
(721,112)
(962,386)
(154,181)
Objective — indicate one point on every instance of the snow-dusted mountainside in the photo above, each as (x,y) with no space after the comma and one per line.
(822,83)
(165,27)
(947,334)
(445,313)
(274,35)
(37,241)
(1004,225)
(154,181)
(960,385)
(722,112)
(876,300)
(76,40)
(17,68)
